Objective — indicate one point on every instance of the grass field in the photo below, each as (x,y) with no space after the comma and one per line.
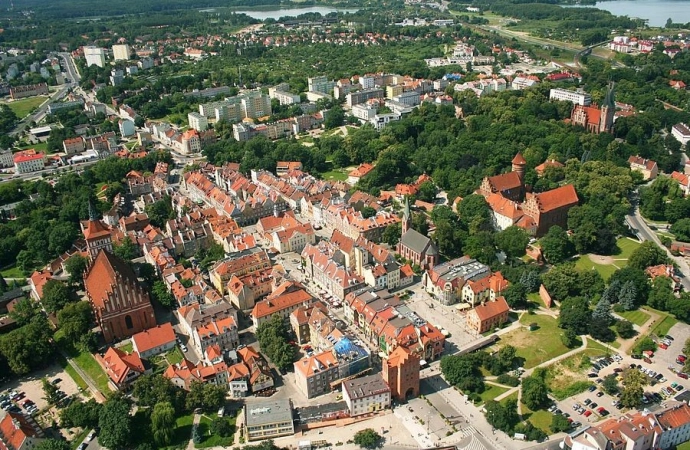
(127,348)
(12,272)
(585,263)
(23,107)
(491,392)
(335,175)
(183,431)
(90,366)
(212,440)
(174,356)
(537,346)
(626,247)
(684,446)
(567,378)
(541,419)
(637,317)
(664,326)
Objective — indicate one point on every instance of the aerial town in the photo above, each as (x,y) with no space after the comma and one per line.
(414,225)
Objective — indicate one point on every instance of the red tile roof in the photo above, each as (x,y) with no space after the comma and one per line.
(27,155)
(153,337)
(103,275)
(557,198)
(639,161)
(505,181)
(118,364)
(273,305)
(39,279)
(95,229)
(361,170)
(14,429)
(676,417)
(491,309)
(519,159)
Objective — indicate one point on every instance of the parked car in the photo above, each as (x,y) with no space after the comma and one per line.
(669,337)
(663,346)
(592,388)
(588,413)
(587,402)
(683,375)
(600,394)
(593,405)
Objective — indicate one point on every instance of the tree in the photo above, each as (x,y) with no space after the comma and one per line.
(515,295)
(334,117)
(681,229)
(208,397)
(475,213)
(603,311)
(610,384)
(368,438)
(50,392)
(646,255)
(272,337)
(81,414)
(627,295)
(28,347)
(625,329)
(55,295)
(427,192)
(152,389)
(52,444)
(126,250)
(220,426)
(23,311)
(638,278)
(513,241)
(74,321)
(575,315)
(115,423)
(391,235)
(599,329)
(502,416)
(161,294)
(556,245)
(535,394)
(163,423)
(368,211)
(634,382)
(559,423)
(570,339)
(160,212)
(76,266)
(420,224)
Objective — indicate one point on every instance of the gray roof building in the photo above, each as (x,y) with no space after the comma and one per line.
(268,419)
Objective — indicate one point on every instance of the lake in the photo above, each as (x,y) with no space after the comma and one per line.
(263,14)
(656,11)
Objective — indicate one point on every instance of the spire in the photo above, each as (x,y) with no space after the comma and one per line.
(93,214)
(609,99)
(407,217)
(406,212)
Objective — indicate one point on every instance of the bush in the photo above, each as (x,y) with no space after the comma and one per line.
(645,344)
(508,380)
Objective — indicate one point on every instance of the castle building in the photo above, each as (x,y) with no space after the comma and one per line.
(509,185)
(594,119)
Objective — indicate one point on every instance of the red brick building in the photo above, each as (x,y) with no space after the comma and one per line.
(401,374)
(120,304)
(550,208)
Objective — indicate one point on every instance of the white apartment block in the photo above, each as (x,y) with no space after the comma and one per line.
(320,84)
(367,82)
(410,98)
(251,104)
(94,56)
(121,52)
(379,121)
(577,98)
(286,98)
(28,161)
(6,159)
(197,121)
(364,111)
(366,395)
(681,132)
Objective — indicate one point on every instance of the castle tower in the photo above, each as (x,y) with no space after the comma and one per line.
(407,217)
(96,234)
(519,164)
(608,109)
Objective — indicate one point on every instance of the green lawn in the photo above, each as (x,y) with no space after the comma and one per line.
(212,440)
(90,366)
(684,446)
(568,377)
(335,175)
(584,263)
(73,373)
(127,348)
(541,419)
(537,346)
(662,328)
(627,247)
(78,439)
(513,396)
(12,272)
(638,317)
(183,431)
(491,392)
(174,356)
(595,348)
(23,107)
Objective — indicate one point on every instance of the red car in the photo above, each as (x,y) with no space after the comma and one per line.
(683,375)
(663,346)
(588,413)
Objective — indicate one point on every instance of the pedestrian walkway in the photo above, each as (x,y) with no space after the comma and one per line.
(195,423)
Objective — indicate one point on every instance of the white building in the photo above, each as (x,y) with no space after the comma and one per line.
(379,121)
(520,83)
(28,161)
(320,84)
(366,395)
(197,121)
(410,98)
(681,132)
(126,128)
(6,159)
(121,52)
(94,56)
(676,425)
(575,97)
(364,111)
(284,97)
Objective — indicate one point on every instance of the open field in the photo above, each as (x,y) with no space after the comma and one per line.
(662,327)
(540,419)
(567,378)
(535,347)
(491,392)
(638,317)
(606,265)
(90,366)
(24,106)
(585,263)
(335,175)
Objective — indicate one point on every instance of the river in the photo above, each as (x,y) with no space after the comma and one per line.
(656,12)
(272,13)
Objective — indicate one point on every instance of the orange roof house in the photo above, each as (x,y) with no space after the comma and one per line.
(354,176)
(122,368)
(19,432)
(488,315)
(154,340)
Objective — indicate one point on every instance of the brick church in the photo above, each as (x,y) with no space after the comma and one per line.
(594,119)
(120,304)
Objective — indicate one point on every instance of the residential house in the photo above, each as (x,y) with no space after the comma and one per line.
(315,374)
(245,290)
(283,301)
(683,182)
(487,316)
(355,175)
(122,368)
(675,425)
(237,264)
(647,167)
(681,132)
(484,289)
(19,432)
(154,341)
(260,377)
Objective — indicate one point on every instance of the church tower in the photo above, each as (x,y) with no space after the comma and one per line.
(608,109)
(96,234)
(407,217)
(519,164)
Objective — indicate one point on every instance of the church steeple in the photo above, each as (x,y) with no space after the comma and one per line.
(96,234)
(407,217)
(93,214)
(608,109)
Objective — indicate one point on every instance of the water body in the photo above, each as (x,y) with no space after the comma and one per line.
(656,12)
(263,14)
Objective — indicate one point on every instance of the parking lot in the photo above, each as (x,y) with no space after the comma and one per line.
(31,387)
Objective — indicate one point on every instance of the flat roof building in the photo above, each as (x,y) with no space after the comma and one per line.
(268,419)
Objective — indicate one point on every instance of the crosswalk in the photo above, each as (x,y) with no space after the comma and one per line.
(474,445)
(467,431)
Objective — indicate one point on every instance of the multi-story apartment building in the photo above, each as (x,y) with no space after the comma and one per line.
(6,159)
(72,146)
(197,121)
(283,301)
(314,374)
(574,97)
(121,52)
(28,161)
(94,56)
(366,395)
(28,90)
(320,84)
(221,332)
(268,419)
(355,98)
